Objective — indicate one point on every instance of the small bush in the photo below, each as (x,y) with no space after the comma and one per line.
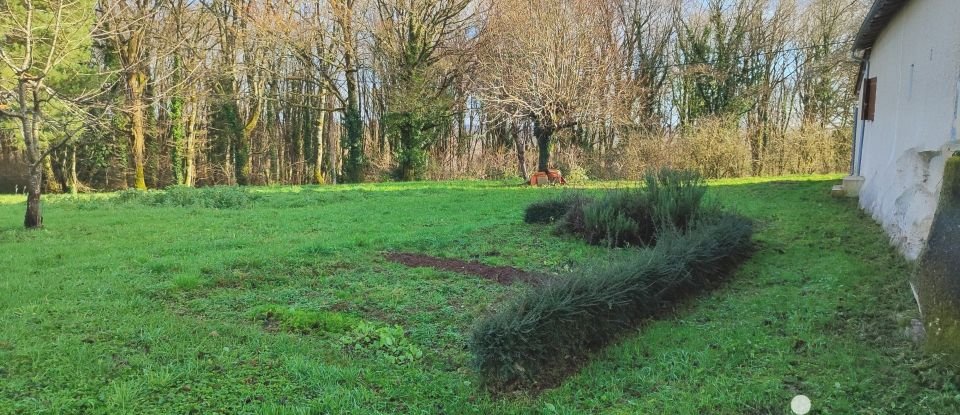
(674,196)
(387,342)
(539,335)
(577,175)
(551,210)
(574,221)
(619,218)
(307,321)
(604,224)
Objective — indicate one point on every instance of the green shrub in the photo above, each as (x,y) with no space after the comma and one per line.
(577,175)
(669,199)
(214,197)
(133,196)
(604,224)
(537,336)
(551,210)
(387,342)
(621,217)
(307,321)
(574,221)
(674,196)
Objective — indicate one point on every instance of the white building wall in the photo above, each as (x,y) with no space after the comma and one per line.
(902,153)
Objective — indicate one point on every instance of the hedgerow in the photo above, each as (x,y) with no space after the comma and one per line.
(539,335)
(214,197)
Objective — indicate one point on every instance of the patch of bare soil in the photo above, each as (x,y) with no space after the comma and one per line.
(502,275)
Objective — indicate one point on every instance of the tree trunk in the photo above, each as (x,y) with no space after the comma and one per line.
(544,137)
(353,170)
(190,153)
(136,84)
(50,182)
(74,181)
(407,151)
(321,127)
(244,158)
(34,217)
(177,136)
(333,144)
(521,151)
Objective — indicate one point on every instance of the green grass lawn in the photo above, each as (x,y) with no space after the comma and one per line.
(122,308)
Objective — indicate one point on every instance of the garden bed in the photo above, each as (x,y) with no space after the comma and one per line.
(502,275)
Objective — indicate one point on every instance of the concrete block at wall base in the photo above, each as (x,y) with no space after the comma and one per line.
(852,185)
(838,191)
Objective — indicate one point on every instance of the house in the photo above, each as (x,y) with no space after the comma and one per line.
(907,121)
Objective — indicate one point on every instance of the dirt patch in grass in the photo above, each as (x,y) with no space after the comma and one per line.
(502,275)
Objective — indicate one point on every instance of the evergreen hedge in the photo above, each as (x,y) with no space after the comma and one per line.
(539,335)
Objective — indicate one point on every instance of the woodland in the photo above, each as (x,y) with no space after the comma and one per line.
(110,94)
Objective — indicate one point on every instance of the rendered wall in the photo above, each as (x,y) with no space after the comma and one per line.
(902,153)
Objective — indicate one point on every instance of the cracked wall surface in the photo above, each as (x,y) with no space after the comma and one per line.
(904,150)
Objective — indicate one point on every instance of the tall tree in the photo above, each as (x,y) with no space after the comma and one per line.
(44,45)
(419,46)
(127,26)
(344,13)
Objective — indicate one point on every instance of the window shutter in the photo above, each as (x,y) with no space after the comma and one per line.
(869,99)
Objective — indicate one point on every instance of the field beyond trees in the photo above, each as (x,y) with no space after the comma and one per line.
(235,300)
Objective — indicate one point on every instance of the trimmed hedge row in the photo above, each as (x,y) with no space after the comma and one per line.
(539,335)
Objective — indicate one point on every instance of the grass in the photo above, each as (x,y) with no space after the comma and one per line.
(130,308)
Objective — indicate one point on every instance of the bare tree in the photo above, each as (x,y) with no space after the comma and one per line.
(549,63)
(647,35)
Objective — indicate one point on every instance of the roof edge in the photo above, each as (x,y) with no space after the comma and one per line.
(878,18)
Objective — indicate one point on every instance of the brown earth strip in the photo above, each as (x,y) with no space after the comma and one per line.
(502,275)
